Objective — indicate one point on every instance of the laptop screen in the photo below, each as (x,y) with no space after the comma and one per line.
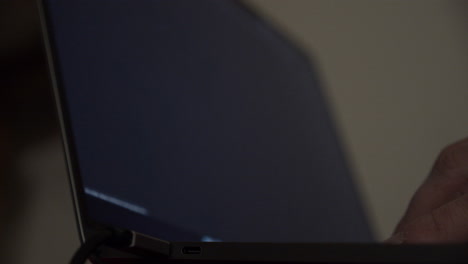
(196,121)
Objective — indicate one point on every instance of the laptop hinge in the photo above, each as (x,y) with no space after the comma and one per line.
(149,245)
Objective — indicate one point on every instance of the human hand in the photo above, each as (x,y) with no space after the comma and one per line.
(438,211)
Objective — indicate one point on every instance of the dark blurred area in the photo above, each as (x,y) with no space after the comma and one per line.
(27,114)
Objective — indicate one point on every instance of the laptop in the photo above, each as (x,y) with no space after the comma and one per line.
(203,133)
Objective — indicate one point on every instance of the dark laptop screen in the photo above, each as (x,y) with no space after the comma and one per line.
(194,120)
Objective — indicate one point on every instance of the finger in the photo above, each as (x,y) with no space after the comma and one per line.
(437,192)
(447,181)
(446,224)
(451,157)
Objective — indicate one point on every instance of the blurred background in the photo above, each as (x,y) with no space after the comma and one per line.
(395,73)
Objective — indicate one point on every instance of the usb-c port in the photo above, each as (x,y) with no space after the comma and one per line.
(191,250)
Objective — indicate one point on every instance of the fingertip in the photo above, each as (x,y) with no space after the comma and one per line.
(396,239)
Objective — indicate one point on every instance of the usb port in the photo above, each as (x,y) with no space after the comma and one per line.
(191,250)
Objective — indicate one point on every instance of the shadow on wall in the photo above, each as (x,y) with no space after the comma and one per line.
(464,10)
(461,8)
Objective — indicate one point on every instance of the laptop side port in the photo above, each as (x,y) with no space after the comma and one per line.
(191,250)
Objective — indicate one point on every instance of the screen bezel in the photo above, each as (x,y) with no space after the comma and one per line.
(86,225)
(68,145)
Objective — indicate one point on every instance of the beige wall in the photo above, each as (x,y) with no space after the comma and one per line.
(396,73)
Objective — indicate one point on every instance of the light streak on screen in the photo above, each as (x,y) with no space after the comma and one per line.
(116,201)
